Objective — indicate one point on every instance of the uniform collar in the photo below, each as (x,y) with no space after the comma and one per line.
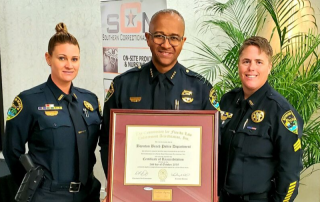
(172,75)
(58,94)
(258,95)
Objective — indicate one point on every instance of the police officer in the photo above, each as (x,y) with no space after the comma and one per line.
(61,123)
(260,156)
(163,83)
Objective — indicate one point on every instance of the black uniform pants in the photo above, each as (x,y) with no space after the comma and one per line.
(226,197)
(88,193)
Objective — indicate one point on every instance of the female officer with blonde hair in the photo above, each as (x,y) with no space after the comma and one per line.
(60,123)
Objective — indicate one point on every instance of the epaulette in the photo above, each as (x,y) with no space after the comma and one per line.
(278,98)
(132,70)
(191,73)
(34,90)
(230,94)
(81,90)
(235,90)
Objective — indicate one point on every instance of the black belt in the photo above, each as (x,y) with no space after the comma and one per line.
(246,197)
(72,187)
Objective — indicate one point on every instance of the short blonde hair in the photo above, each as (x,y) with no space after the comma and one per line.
(261,43)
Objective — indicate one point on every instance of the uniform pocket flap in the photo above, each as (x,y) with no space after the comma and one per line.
(54,122)
(255,130)
(92,118)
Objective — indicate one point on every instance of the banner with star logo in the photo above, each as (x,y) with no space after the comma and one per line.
(123,26)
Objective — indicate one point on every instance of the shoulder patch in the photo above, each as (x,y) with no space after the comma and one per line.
(213,99)
(290,122)
(15,108)
(110,92)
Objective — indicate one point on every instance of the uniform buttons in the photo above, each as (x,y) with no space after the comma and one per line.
(55,125)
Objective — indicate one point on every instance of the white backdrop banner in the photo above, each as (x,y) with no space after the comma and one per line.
(123,26)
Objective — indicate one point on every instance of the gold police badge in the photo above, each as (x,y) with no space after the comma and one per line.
(88,105)
(110,92)
(290,122)
(257,116)
(186,96)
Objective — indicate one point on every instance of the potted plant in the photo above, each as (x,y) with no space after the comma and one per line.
(296,64)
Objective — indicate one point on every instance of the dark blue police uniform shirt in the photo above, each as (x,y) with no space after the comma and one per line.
(260,149)
(50,133)
(135,89)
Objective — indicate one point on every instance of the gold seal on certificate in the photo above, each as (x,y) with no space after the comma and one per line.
(162,174)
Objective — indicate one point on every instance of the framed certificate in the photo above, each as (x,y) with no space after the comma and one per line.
(163,155)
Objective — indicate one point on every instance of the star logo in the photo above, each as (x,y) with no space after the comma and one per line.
(130,18)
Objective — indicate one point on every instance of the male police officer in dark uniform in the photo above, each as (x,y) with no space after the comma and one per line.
(260,153)
(162,83)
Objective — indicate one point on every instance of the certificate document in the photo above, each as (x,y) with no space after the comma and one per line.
(163,155)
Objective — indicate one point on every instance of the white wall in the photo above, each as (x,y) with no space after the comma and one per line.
(189,9)
(25,29)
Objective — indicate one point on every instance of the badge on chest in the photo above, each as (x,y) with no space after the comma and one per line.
(186,96)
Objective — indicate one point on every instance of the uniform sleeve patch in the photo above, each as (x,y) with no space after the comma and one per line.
(297,145)
(225,115)
(110,92)
(213,99)
(290,122)
(15,108)
(291,189)
(100,110)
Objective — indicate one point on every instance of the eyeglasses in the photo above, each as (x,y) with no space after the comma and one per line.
(160,39)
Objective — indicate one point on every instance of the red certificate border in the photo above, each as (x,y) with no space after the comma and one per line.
(132,117)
